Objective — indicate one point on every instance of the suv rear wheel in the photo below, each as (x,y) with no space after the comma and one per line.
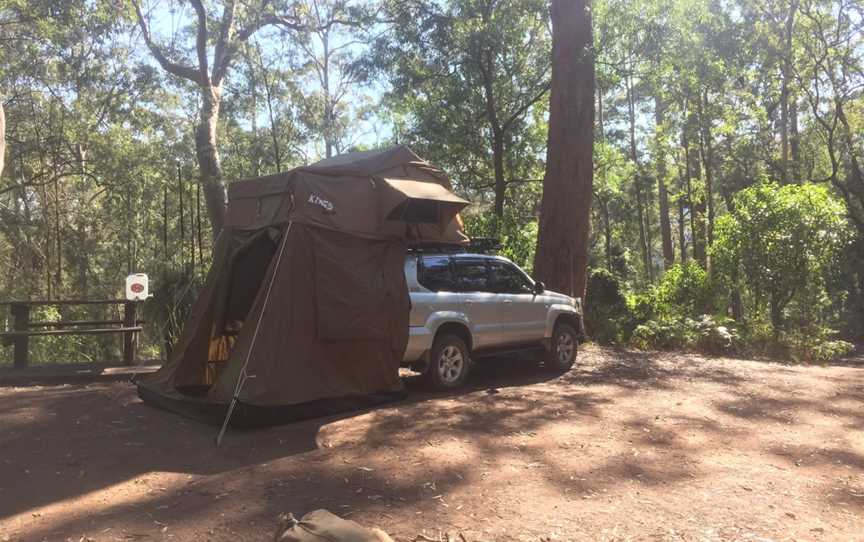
(449,363)
(562,354)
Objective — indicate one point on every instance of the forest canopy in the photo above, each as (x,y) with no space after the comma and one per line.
(728,191)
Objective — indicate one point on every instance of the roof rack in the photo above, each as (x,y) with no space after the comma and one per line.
(482,245)
(485,244)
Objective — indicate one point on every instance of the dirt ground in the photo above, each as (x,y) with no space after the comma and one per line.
(627,446)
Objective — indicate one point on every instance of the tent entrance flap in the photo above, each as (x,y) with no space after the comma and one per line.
(248,270)
(418,202)
(247,274)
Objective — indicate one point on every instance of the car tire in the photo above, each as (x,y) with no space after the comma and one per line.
(449,363)
(563,349)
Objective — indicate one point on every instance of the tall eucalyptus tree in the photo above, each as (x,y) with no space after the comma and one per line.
(565,211)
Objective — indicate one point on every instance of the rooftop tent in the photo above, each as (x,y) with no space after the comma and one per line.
(306,303)
(417,202)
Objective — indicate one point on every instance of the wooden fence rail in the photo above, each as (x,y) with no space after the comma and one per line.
(22,327)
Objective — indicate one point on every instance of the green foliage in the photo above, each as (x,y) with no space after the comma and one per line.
(685,290)
(608,318)
(175,293)
(777,244)
(679,313)
(463,71)
(518,239)
(96,128)
(707,333)
(830,350)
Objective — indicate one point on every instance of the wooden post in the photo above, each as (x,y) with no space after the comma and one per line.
(21,314)
(130,338)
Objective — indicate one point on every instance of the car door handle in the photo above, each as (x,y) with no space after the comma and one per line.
(468,301)
(508,301)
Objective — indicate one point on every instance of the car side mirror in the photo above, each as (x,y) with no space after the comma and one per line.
(539,287)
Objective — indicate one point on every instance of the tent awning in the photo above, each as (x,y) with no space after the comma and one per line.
(419,202)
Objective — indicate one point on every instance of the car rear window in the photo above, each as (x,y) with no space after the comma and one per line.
(436,274)
(471,276)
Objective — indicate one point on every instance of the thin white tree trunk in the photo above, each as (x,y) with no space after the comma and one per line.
(2,138)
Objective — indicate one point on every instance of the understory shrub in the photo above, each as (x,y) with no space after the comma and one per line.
(778,248)
(707,333)
(829,350)
(679,313)
(684,291)
(607,316)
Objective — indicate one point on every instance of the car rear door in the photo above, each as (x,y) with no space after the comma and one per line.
(477,302)
(438,292)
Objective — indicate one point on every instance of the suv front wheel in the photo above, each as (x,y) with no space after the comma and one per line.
(449,363)
(562,353)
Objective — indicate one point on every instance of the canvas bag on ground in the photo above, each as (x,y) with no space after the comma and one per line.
(324,526)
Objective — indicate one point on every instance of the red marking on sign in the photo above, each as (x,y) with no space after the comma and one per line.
(137,288)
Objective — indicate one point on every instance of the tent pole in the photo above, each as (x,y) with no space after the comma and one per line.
(241,380)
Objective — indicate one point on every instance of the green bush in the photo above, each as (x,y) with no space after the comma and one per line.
(777,245)
(829,350)
(607,316)
(684,291)
(175,293)
(706,333)
(518,238)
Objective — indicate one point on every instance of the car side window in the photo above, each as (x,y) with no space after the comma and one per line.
(471,276)
(505,278)
(436,274)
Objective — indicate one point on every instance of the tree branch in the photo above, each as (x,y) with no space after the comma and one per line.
(33,183)
(229,45)
(506,183)
(221,58)
(201,41)
(174,68)
(524,107)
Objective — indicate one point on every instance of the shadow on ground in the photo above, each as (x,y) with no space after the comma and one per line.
(68,445)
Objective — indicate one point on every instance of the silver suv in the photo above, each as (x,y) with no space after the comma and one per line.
(465,306)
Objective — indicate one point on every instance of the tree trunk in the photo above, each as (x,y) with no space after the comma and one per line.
(207,154)
(682,241)
(786,74)
(607,232)
(500,186)
(706,148)
(274,134)
(497,130)
(637,179)
(662,193)
(640,212)
(776,314)
(58,239)
(735,296)
(328,104)
(697,208)
(252,80)
(649,241)
(182,217)
(601,130)
(565,209)
(2,138)
(794,142)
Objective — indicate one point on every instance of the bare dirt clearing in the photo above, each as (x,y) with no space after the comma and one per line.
(627,446)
